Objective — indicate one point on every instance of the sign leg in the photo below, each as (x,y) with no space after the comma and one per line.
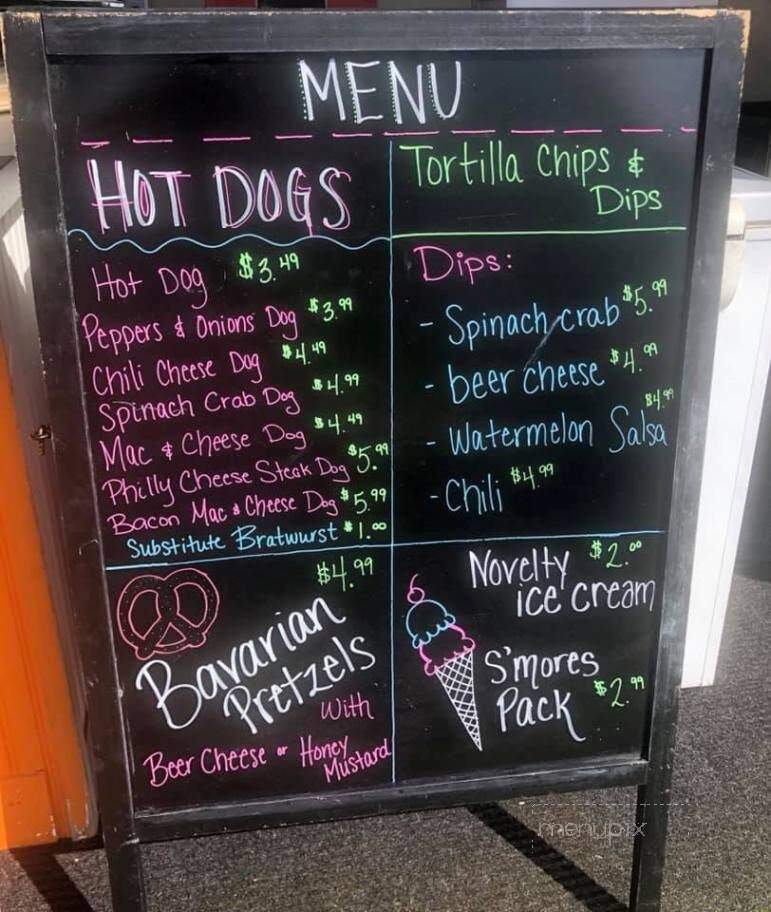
(127,883)
(649,844)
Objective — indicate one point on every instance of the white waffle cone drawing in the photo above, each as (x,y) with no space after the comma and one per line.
(457,678)
(447,653)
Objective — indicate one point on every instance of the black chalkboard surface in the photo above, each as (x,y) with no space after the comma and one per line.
(383,355)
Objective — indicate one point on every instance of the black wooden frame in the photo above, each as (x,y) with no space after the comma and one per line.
(31,39)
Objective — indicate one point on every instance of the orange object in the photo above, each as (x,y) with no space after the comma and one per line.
(43,785)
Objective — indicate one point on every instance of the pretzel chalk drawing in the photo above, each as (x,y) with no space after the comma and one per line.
(171,630)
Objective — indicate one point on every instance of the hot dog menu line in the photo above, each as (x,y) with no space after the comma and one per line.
(381,360)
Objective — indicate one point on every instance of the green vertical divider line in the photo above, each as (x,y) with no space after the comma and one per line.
(391,443)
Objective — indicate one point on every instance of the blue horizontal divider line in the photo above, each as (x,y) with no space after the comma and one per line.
(411,544)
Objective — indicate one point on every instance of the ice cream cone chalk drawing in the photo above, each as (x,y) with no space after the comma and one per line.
(447,654)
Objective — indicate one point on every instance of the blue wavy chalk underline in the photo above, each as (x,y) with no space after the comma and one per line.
(239,237)
(529,232)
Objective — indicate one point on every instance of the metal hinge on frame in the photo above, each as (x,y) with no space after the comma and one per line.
(40,435)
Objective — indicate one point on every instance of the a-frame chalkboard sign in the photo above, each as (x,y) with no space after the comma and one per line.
(377,350)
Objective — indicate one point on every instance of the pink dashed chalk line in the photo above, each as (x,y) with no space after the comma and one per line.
(101,143)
